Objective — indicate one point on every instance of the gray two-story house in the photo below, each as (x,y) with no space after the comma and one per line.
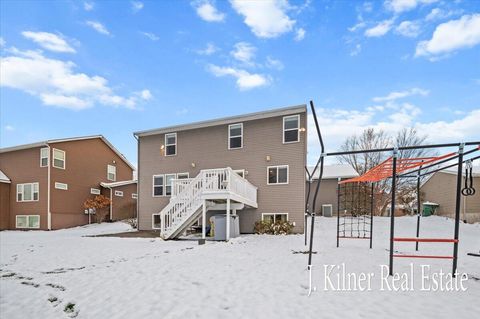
(251,166)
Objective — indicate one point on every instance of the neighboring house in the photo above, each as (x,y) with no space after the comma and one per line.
(440,188)
(50,180)
(252,164)
(327,196)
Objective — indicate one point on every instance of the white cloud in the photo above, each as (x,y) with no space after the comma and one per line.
(274,63)
(437,14)
(55,82)
(136,6)
(380,29)
(207,11)
(88,6)
(245,80)
(399,6)
(145,94)
(49,41)
(9,128)
(300,34)
(451,36)
(356,50)
(244,52)
(358,26)
(267,18)
(151,36)
(208,50)
(97,26)
(402,94)
(2,42)
(409,29)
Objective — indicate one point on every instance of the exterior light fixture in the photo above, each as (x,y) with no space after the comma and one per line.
(302,129)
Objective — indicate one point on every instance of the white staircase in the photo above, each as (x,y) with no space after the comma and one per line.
(210,186)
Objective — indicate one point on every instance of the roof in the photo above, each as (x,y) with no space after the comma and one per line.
(118,184)
(45,143)
(334,171)
(453,171)
(226,120)
(4,178)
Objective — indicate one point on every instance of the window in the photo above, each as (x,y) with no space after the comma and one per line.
(168,183)
(291,126)
(240,172)
(235,136)
(27,192)
(58,158)
(277,174)
(134,196)
(44,157)
(170,144)
(28,221)
(156,221)
(119,193)
(183,175)
(158,185)
(94,191)
(62,186)
(275,217)
(111,173)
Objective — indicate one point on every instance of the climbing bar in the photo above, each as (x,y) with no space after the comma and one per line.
(427,240)
(424,256)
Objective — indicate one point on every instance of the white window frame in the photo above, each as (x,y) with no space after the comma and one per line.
(22,186)
(114,172)
(230,137)
(64,158)
(291,129)
(167,145)
(277,167)
(95,191)
(163,185)
(134,196)
(28,218)
(119,193)
(240,171)
(61,186)
(171,185)
(185,174)
(153,221)
(42,156)
(274,215)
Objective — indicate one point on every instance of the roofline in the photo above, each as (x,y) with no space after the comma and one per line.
(335,177)
(302,108)
(118,184)
(60,140)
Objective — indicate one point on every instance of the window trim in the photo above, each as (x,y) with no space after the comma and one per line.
(118,193)
(274,214)
(184,173)
(230,137)
(59,185)
(115,173)
(167,145)
(33,192)
(64,158)
(42,157)
(291,129)
(134,196)
(153,185)
(93,191)
(279,166)
(28,217)
(153,219)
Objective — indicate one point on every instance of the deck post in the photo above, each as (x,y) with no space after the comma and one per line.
(204,219)
(228,220)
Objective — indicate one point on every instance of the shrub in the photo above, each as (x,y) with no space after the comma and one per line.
(275,228)
(132,222)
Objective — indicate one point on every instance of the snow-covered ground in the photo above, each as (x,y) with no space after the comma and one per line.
(249,277)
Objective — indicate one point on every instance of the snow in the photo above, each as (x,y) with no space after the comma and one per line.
(251,276)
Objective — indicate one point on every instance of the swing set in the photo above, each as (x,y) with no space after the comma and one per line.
(355,215)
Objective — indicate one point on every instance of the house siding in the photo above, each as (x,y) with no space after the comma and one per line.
(4,206)
(327,195)
(124,207)
(207,148)
(441,189)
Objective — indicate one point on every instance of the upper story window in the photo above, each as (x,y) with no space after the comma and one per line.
(277,175)
(168,183)
(235,136)
(170,144)
(119,193)
(44,157)
(111,173)
(27,192)
(134,195)
(61,186)
(182,175)
(58,158)
(291,126)
(158,185)
(94,191)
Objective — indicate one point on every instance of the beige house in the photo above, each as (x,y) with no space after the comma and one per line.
(440,188)
(44,185)
(251,166)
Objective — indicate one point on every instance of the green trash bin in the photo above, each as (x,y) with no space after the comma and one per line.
(429,209)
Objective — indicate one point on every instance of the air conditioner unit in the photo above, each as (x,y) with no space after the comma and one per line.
(327,210)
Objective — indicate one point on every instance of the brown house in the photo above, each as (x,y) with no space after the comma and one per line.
(50,180)
(440,188)
(251,166)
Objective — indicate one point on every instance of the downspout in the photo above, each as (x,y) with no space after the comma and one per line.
(111,204)
(49,213)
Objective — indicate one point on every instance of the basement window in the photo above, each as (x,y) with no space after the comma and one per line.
(275,217)
(27,221)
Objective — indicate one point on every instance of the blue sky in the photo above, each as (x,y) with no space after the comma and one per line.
(73,68)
